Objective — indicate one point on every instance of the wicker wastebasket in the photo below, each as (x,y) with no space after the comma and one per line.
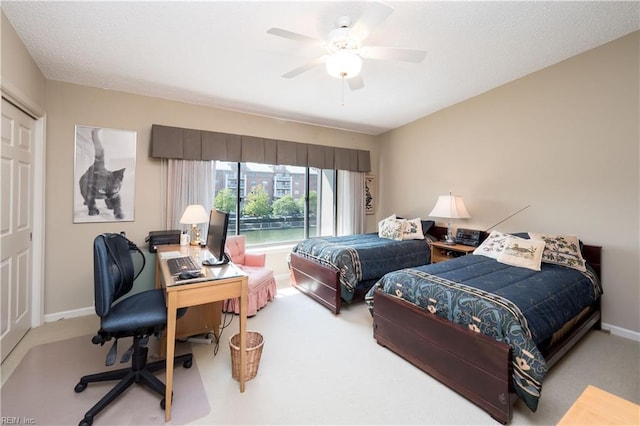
(255,342)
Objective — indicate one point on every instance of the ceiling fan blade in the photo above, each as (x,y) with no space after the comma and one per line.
(393,53)
(292,36)
(356,82)
(372,16)
(304,68)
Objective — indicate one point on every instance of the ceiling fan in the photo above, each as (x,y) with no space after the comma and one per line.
(345,46)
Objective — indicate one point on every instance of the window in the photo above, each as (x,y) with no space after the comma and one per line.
(276,204)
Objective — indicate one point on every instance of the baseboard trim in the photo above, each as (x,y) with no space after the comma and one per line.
(622,332)
(69,314)
(615,330)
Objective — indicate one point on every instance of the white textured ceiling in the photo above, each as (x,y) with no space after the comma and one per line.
(219,54)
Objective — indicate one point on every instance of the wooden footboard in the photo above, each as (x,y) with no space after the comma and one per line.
(319,282)
(474,365)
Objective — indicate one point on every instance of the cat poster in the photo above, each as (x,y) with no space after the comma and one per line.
(104,175)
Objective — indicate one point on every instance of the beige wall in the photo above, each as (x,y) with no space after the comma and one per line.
(21,79)
(69,278)
(563,140)
(68,269)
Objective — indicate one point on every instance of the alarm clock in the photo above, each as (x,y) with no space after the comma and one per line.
(468,237)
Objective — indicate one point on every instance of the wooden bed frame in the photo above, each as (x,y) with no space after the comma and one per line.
(441,348)
(322,282)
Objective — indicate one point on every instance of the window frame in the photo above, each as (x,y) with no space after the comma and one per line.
(306,220)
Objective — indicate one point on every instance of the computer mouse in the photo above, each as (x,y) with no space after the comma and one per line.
(188,275)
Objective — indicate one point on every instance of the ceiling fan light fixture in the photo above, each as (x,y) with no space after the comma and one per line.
(344,64)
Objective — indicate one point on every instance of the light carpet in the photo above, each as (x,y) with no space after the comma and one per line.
(41,389)
(321,369)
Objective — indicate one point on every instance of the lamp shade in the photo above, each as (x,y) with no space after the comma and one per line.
(344,64)
(450,207)
(193,214)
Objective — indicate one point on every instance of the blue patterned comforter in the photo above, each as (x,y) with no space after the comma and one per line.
(518,306)
(363,257)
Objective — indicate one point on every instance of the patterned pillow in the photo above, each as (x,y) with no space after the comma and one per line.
(392,217)
(523,253)
(412,229)
(493,245)
(391,228)
(561,250)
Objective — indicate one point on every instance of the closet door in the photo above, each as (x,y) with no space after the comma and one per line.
(16,224)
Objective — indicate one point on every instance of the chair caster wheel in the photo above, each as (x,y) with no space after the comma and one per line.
(80,387)
(187,364)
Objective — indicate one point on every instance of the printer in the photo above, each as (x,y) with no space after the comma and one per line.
(157,238)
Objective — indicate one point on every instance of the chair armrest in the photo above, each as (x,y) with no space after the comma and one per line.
(254,259)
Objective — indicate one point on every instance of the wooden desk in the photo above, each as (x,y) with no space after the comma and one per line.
(597,407)
(218,288)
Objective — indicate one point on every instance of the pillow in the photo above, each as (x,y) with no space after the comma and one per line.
(561,250)
(522,253)
(426,225)
(393,216)
(412,230)
(391,228)
(493,245)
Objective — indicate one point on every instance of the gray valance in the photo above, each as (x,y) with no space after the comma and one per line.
(190,144)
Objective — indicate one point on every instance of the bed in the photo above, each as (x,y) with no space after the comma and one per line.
(333,270)
(503,340)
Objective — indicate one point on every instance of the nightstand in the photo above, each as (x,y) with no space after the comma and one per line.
(441,251)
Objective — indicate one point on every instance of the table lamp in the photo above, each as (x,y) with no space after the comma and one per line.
(450,207)
(193,215)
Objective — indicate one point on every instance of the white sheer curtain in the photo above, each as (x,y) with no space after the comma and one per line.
(188,182)
(351,208)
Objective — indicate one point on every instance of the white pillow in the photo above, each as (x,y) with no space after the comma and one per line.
(391,228)
(392,217)
(561,250)
(522,252)
(412,229)
(493,245)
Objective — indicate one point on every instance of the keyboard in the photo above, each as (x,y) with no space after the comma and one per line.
(182,264)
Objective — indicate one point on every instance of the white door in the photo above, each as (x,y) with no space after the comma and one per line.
(16,221)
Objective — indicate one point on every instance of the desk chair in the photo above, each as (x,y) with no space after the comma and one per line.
(139,316)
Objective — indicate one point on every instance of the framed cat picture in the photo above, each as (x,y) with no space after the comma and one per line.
(104,175)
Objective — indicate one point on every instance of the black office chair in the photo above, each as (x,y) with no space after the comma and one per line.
(139,316)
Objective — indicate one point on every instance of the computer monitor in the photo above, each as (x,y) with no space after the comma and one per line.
(217,237)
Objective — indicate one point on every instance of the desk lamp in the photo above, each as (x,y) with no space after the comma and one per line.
(193,215)
(450,207)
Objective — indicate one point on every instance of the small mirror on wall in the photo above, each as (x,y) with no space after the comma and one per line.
(104,175)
